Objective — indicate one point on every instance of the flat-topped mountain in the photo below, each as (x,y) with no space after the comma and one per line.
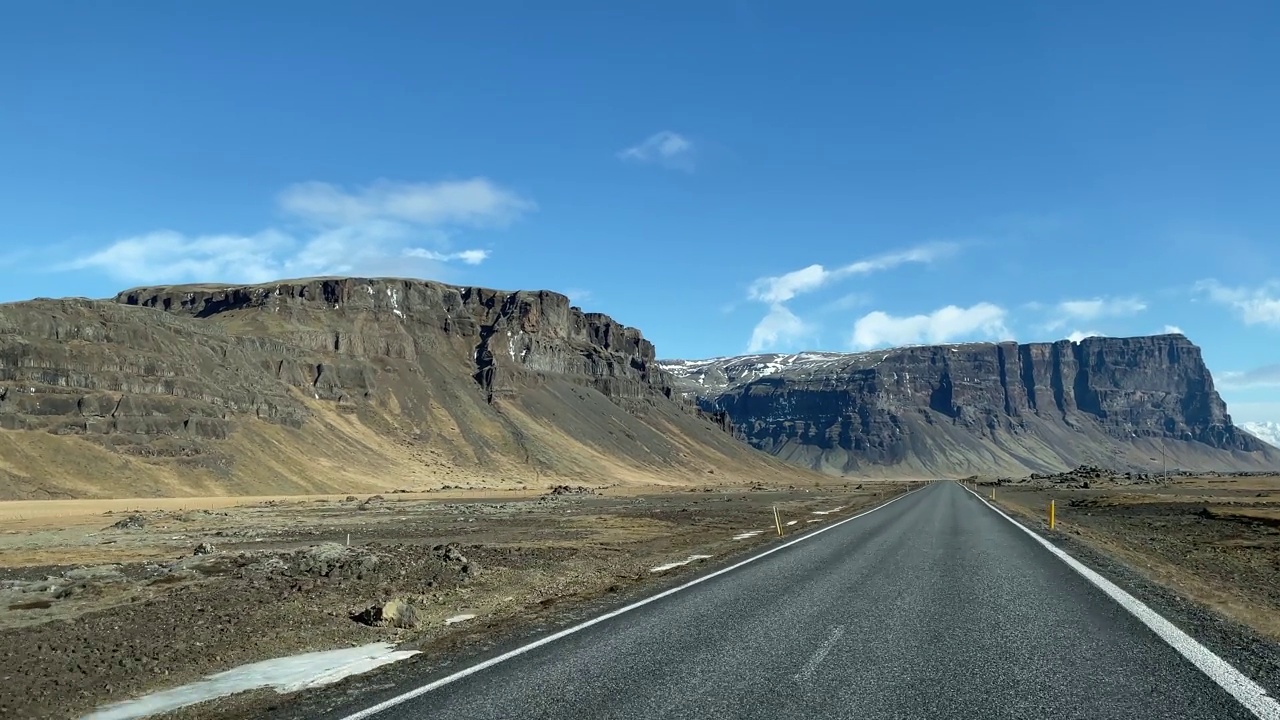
(340,385)
(980,408)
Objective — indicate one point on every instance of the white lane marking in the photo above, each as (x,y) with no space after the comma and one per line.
(820,654)
(424,689)
(747,534)
(1249,693)
(678,563)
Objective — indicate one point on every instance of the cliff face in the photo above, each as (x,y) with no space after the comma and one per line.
(336,385)
(509,336)
(981,408)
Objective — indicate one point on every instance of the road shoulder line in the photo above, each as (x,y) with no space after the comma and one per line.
(424,689)
(1247,692)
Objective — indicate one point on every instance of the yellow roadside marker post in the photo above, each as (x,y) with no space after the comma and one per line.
(777,520)
(1052,519)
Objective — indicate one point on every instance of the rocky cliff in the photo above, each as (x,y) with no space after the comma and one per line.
(337,385)
(981,408)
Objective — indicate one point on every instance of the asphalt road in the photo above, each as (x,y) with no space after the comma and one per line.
(931,607)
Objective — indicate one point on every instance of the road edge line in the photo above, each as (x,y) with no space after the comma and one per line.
(484,665)
(1248,693)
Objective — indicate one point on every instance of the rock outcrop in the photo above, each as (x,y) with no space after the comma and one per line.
(981,408)
(335,385)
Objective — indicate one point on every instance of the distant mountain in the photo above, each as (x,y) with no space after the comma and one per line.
(1267,432)
(980,408)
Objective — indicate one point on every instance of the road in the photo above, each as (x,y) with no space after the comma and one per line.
(933,606)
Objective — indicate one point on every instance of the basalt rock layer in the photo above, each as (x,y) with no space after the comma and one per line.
(1137,403)
(338,385)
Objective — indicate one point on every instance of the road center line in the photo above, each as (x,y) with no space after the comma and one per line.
(424,689)
(820,654)
(1249,693)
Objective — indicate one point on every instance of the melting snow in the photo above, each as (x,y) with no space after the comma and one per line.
(458,618)
(793,522)
(748,534)
(686,561)
(285,675)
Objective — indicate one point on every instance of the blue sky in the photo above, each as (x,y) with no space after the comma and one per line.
(724,175)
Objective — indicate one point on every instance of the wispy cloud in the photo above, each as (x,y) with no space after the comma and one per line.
(1266,376)
(577,296)
(782,288)
(385,228)
(666,149)
(1070,311)
(1255,306)
(781,326)
(848,301)
(470,257)
(476,202)
(1172,330)
(981,321)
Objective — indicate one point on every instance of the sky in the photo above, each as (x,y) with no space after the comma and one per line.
(729,176)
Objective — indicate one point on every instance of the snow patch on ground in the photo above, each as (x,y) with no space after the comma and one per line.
(686,561)
(747,534)
(458,618)
(285,675)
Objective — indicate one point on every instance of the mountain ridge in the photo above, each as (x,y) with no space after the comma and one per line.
(985,408)
(340,385)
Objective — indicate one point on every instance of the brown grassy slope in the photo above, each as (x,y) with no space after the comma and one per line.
(99,399)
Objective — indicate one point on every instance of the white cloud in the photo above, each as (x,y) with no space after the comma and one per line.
(378,230)
(1093,309)
(1256,306)
(1266,376)
(951,323)
(1173,330)
(476,202)
(165,256)
(1078,335)
(779,327)
(782,288)
(470,257)
(667,149)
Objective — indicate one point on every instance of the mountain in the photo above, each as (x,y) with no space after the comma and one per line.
(980,408)
(340,385)
(1267,432)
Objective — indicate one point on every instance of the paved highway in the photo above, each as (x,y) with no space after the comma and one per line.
(933,606)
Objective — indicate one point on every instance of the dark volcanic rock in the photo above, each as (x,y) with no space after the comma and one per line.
(491,381)
(981,407)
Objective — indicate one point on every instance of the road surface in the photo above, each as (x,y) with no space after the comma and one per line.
(933,606)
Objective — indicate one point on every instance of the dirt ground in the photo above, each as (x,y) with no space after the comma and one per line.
(98,606)
(1214,539)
